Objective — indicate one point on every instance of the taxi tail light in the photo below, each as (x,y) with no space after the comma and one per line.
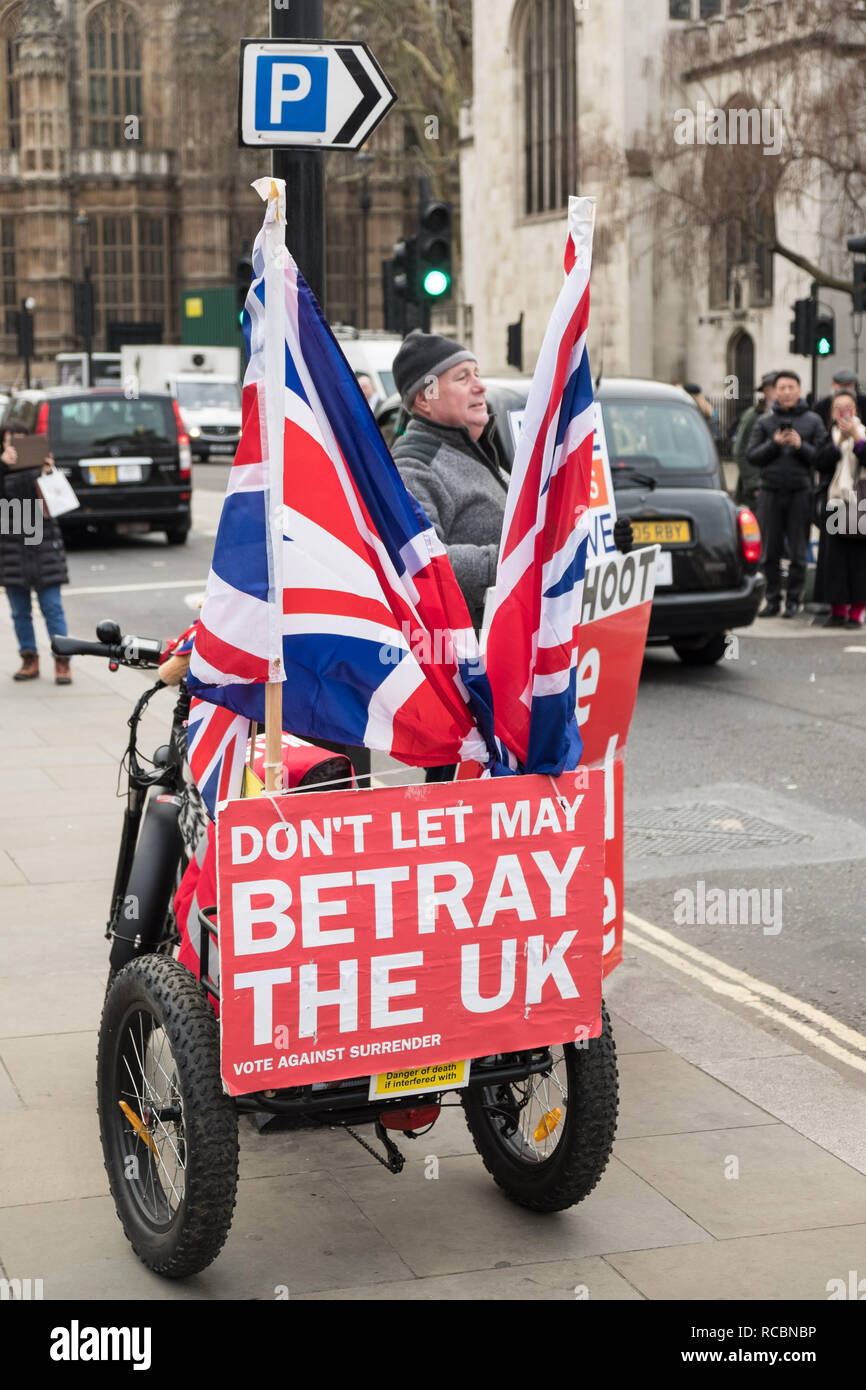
(183,444)
(415,1117)
(42,420)
(750,536)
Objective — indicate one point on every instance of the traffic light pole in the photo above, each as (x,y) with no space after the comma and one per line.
(304,173)
(303,170)
(814,296)
(88,323)
(26,335)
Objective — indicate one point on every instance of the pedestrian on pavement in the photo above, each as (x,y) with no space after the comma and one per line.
(32,556)
(749,479)
(784,446)
(840,578)
(368,386)
(843,380)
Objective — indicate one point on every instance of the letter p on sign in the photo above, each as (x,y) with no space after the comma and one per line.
(291,93)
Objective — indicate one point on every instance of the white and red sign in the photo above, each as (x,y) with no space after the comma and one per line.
(602,502)
(398,928)
(617,598)
(615,612)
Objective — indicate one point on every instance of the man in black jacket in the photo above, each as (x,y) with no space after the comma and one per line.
(783,446)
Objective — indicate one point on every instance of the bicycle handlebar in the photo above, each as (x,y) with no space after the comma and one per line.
(129,651)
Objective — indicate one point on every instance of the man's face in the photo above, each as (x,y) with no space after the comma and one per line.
(787,392)
(457,397)
(366,385)
(769,393)
(840,386)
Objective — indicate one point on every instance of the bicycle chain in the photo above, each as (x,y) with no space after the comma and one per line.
(395,1160)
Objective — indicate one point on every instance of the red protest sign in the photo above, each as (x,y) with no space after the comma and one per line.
(396,928)
(617,598)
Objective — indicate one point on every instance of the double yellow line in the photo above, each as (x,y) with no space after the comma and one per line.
(809,1023)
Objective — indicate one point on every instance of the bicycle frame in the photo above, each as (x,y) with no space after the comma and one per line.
(167,772)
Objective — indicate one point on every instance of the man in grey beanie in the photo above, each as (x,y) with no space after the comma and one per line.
(448,460)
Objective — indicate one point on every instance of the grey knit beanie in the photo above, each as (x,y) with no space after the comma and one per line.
(424,355)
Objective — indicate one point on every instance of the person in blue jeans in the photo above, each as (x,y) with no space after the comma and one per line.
(32,556)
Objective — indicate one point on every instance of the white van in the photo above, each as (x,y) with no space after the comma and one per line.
(371,352)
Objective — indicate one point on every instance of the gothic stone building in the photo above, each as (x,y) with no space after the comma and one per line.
(570,97)
(118,150)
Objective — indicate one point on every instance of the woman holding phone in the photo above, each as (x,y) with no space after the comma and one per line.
(840,579)
(32,554)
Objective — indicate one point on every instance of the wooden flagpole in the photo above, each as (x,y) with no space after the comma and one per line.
(274,736)
(274,190)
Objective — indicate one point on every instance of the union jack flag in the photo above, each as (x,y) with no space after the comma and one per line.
(531,648)
(216,751)
(368,593)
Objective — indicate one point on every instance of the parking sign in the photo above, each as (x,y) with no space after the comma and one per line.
(305,94)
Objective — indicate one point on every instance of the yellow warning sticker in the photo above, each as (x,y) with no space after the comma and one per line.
(443,1076)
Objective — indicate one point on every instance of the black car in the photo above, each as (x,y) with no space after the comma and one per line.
(128,461)
(669,483)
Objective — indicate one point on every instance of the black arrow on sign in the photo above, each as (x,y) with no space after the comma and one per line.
(370,96)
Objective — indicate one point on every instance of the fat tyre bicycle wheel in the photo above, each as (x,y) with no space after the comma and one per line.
(546,1140)
(169,1133)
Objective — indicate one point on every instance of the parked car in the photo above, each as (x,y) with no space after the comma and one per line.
(128,461)
(669,483)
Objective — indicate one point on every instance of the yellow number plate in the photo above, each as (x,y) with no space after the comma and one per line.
(444,1076)
(103,473)
(662,532)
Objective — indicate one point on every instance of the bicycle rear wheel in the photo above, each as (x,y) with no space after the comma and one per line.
(168,1131)
(546,1141)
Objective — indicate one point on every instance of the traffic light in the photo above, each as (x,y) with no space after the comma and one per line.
(825,335)
(515,344)
(858,303)
(434,269)
(406,270)
(83,308)
(243,280)
(23,321)
(803,328)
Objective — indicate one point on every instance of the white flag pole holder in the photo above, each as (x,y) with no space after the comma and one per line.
(273,388)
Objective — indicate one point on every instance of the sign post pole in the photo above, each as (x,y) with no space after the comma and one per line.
(303,170)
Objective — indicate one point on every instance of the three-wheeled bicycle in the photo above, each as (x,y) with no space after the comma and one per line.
(542,1120)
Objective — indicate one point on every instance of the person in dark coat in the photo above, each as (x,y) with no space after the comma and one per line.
(749,479)
(32,556)
(840,579)
(784,446)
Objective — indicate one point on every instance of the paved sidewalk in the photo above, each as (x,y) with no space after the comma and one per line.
(739,1169)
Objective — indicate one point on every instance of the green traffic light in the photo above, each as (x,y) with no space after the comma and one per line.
(436,283)
(823,347)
